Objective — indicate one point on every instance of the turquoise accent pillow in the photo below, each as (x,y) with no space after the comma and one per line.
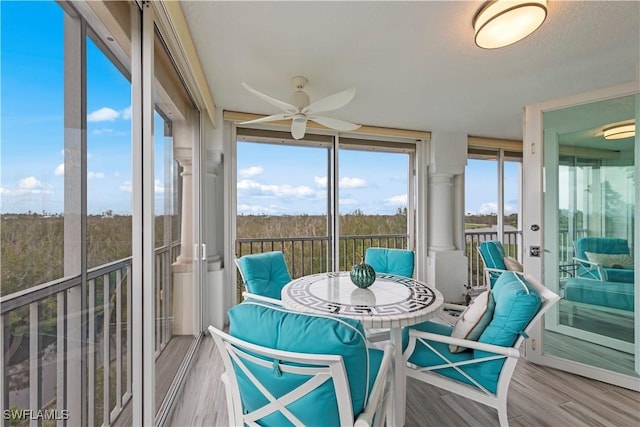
(516,303)
(281,329)
(392,261)
(493,254)
(265,273)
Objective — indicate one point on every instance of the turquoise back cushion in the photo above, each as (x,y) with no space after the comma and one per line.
(392,261)
(516,303)
(265,274)
(278,328)
(493,254)
(601,245)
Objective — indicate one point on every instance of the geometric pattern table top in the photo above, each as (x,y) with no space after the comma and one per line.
(391,302)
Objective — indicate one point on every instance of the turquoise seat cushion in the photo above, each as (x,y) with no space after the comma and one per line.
(265,273)
(516,303)
(493,254)
(279,328)
(596,292)
(392,261)
(424,356)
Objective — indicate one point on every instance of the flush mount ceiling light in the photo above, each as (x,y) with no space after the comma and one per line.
(626,130)
(500,23)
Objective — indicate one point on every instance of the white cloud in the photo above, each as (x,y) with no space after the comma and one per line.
(28,185)
(321,181)
(286,190)
(250,171)
(59,170)
(126,186)
(102,131)
(488,208)
(397,200)
(348,182)
(103,114)
(257,209)
(345,182)
(126,113)
(348,202)
(95,175)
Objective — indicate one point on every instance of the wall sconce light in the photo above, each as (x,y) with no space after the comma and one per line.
(626,130)
(500,23)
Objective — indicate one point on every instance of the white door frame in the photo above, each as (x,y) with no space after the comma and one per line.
(533,213)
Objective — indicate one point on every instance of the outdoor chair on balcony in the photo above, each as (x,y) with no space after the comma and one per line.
(476,357)
(288,368)
(495,261)
(263,275)
(604,258)
(392,261)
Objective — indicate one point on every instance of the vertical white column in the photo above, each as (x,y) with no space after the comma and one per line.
(182,269)
(184,157)
(441,212)
(446,260)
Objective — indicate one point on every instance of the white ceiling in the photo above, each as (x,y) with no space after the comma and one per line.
(414,64)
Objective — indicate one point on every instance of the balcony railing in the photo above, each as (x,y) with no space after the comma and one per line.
(44,346)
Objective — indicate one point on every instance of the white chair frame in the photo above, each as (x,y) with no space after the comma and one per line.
(320,368)
(479,393)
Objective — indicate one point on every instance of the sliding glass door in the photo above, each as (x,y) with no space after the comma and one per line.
(589,240)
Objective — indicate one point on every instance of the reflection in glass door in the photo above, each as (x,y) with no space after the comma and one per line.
(589,210)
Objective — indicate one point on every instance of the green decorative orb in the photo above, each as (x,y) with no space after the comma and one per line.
(363,275)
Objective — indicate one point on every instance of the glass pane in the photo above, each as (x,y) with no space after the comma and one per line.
(511,186)
(589,236)
(32,191)
(373,191)
(282,197)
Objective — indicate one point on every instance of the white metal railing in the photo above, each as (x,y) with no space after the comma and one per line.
(43,344)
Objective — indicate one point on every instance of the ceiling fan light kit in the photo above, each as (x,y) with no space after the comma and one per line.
(625,130)
(500,23)
(300,109)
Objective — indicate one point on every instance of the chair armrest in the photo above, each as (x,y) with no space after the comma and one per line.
(505,351)
(261,298)
(592,266)
(379,397)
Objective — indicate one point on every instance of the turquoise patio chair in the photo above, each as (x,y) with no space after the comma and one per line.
(480,369)
(288,368)
(600,258)
(264,275)
(392,261)
(492,254)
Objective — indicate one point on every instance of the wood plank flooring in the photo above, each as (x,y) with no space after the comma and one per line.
(538,396)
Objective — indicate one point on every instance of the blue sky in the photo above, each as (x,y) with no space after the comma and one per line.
(271,179)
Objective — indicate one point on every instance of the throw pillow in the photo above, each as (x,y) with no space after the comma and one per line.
(611,260)
(473,320)
(512,264)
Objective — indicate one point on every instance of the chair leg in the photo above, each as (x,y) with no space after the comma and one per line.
(502,414)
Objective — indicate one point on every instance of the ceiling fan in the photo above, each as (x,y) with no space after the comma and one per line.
(300,109)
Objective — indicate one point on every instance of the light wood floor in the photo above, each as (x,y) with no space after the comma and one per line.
(538,396)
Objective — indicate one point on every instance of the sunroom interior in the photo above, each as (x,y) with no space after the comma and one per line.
(131,182)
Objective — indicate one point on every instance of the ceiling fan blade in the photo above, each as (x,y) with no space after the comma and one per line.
(334,123)
(284,106)
(331,102)
(281,116)
(298,127)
